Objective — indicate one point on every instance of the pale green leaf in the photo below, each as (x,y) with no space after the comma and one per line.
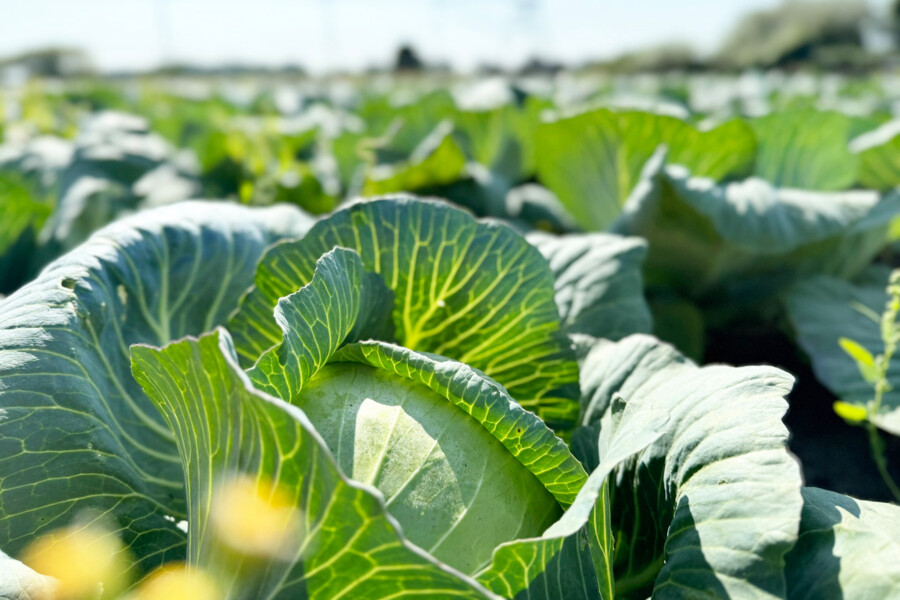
(847,549)
(558,566)
(520,432)
(713,505)
(747,239)
(507,442)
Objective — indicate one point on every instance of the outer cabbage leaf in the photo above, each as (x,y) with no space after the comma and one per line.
(847,548)
(18,211)
(555,556)
(489,138)
(103,176)
(77,431)
(118,156)
(315,322)
(404,120)
(22,216)
(438,160)
(711,507)
(745,240)
(877,152)
(163,185)
(349,545)
(116,147)
(824,309)
(594,160)
(473,291)
(40,160)
(477,189)
(536,206)
(89,202)
(599,286)
(805,149)
(499,132)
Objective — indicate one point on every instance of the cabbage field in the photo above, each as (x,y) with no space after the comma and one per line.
(571,337)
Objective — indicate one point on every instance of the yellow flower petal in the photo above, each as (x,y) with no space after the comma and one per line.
(84,559)
(178,582)
(255,518)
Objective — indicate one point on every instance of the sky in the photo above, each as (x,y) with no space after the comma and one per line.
(326,35)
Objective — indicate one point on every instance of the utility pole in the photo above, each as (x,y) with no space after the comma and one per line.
(332,43)
(163,28)
(439,8)
(528,25)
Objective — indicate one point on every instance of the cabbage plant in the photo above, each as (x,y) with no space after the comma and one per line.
(400,373)
(731,213)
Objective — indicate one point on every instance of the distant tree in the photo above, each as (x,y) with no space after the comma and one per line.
(489,69)
(408,60)
(895,20)
(795,32)
(178,69)
(664,57)
(537,66)
(293,69)
(53,62)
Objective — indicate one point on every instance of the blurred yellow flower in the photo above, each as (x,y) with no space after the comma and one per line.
(851,412)
(84,559)
(178,582)
(256,518)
